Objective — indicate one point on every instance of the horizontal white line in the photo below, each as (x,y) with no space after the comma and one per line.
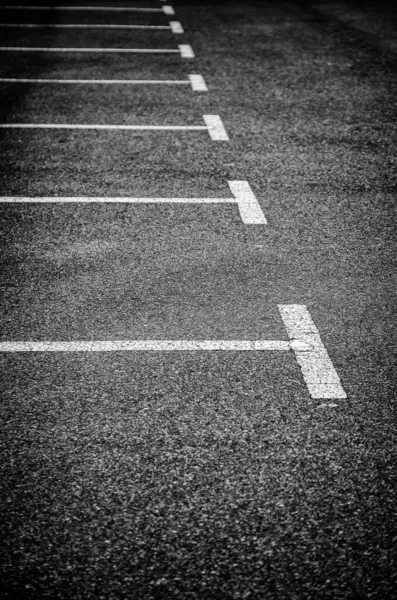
(104,50)
(213,124)
(104,127)
(249,207)
(81,26)
(145,345)
(99,81)
(110,200)
(95,8)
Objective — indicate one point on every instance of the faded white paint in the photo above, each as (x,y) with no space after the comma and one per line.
(186,51)
(215,127)
(198,84)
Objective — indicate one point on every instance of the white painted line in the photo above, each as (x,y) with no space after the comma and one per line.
(317,369)
(107,50)
(242,196)
(104,127)
(215,127)
(84,26)
(168,10)
(99,81)
(198,84)
(186,51)
(95,8)
(176,27)
(249,207)
(145,346)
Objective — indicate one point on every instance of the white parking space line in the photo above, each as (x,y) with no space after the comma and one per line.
(185,53)
(318,371)
(249,208)
(185,50)
(174,26)
(145,345)
(164,9)
(320,377)
(196,81)
(215,127)
(213,124)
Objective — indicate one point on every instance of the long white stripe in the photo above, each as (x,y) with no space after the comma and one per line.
(213,124)
(83,26)
(100,81)
(145,345)
(106,50)
(95,8)
(248,205)
(103,127)
(317,369)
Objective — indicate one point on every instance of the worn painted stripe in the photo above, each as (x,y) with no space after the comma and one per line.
(103,50)
(82,26)
(215,127)
(168,10)
(95,8)
(317,369)
(197,82)
(145,345)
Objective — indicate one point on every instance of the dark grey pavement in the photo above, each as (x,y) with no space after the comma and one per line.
(201,475)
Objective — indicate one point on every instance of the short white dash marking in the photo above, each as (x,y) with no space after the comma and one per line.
(103,50)
(176,27)
(186,51)
(215,127)
(250,210)
(168,10)
(145,345)
(198,84)
(317,369)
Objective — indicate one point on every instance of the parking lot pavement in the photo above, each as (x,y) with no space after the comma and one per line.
(198,473)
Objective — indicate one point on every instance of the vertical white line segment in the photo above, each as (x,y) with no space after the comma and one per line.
(198,84)
(186,51)
(176,27)
(249,207)
(317,369)
(215,128)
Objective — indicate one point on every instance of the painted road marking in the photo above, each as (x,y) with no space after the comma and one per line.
(174,26)
(318,371)
(196,81)
(144,345)
(168,10)
(185,50)
(249,207)
(213,124)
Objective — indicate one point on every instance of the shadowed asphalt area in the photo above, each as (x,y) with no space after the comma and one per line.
(201,475)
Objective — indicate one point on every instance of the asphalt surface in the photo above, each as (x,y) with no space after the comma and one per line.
(201,475)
